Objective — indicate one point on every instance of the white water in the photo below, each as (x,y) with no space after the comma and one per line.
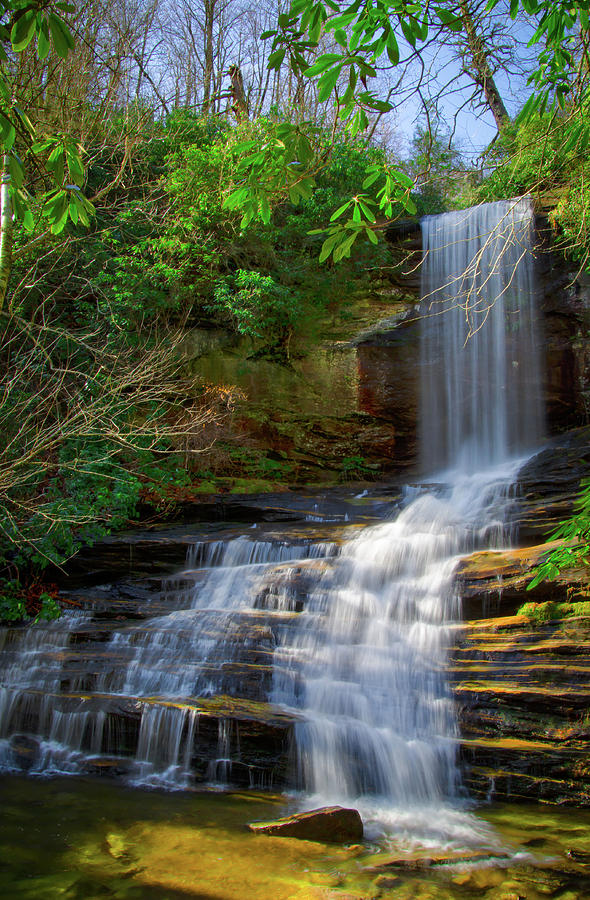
(367,663)
(480,370)
(364,662)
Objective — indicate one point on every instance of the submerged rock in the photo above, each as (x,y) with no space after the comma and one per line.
(330,824)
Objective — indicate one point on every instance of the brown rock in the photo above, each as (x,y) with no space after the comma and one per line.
(330,824)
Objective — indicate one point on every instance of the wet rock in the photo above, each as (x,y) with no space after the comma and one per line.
(116,845)
(547,484)
(330,824)
(419,862)
(387,882)
(494,583)
(25,749)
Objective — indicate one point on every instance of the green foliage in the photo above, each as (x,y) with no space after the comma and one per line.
(355,468)
(546,157)
(437,168)
(257,305)
(290,164)
(88,494)
(363,35)
(366,34)
(12,601)
(200,260)
(15,604)
(43,24)
(575,533)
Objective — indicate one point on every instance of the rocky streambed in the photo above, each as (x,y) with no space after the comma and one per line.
(520,686)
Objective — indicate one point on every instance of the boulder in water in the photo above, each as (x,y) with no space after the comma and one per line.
(330,824)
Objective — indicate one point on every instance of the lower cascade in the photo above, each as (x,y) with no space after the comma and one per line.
(344,632)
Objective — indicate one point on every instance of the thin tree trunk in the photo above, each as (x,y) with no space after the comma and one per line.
(5,231)
(240,105)
(208,70)
(480,69)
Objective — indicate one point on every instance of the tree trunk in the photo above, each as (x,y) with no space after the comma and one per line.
(240,104)
(209,7)
(5,231)
(480,70)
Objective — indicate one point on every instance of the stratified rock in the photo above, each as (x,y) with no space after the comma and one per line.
(521,690)
(330,824)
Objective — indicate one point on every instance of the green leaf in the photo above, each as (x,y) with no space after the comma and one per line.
(75,166)
(341,21)
(327,83)
(275,59)
(392,49)
(27,220)
(83,207)
(372,236)
(340,210)
(264,209)
(15,168)
(305,187)
(371,179)
(323,63)
(343,249)
(43,44)
(23,30)
(328,246)
(8,134)
(61,36)
(410,205)
(450,19)
(369,214)
(56,206)
(59,224)
(24,119)
(408,32)
(401,178)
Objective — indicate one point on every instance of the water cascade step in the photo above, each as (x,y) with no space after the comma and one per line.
(315,661)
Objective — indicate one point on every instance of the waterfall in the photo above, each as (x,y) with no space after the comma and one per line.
(347,633)
(480,370)
(367,666)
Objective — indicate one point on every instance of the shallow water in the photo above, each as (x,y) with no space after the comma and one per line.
(82,839)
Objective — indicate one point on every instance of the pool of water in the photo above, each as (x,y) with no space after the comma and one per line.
(80,839)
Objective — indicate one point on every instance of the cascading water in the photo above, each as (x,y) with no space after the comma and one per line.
(349,635)
(480,370)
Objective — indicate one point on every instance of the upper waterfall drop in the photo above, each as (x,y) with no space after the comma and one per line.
(480,344)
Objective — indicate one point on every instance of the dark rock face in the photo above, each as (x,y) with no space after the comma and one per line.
(330,824)
(389,383)
(565,302)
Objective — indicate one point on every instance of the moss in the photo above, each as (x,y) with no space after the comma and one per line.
(552,609)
